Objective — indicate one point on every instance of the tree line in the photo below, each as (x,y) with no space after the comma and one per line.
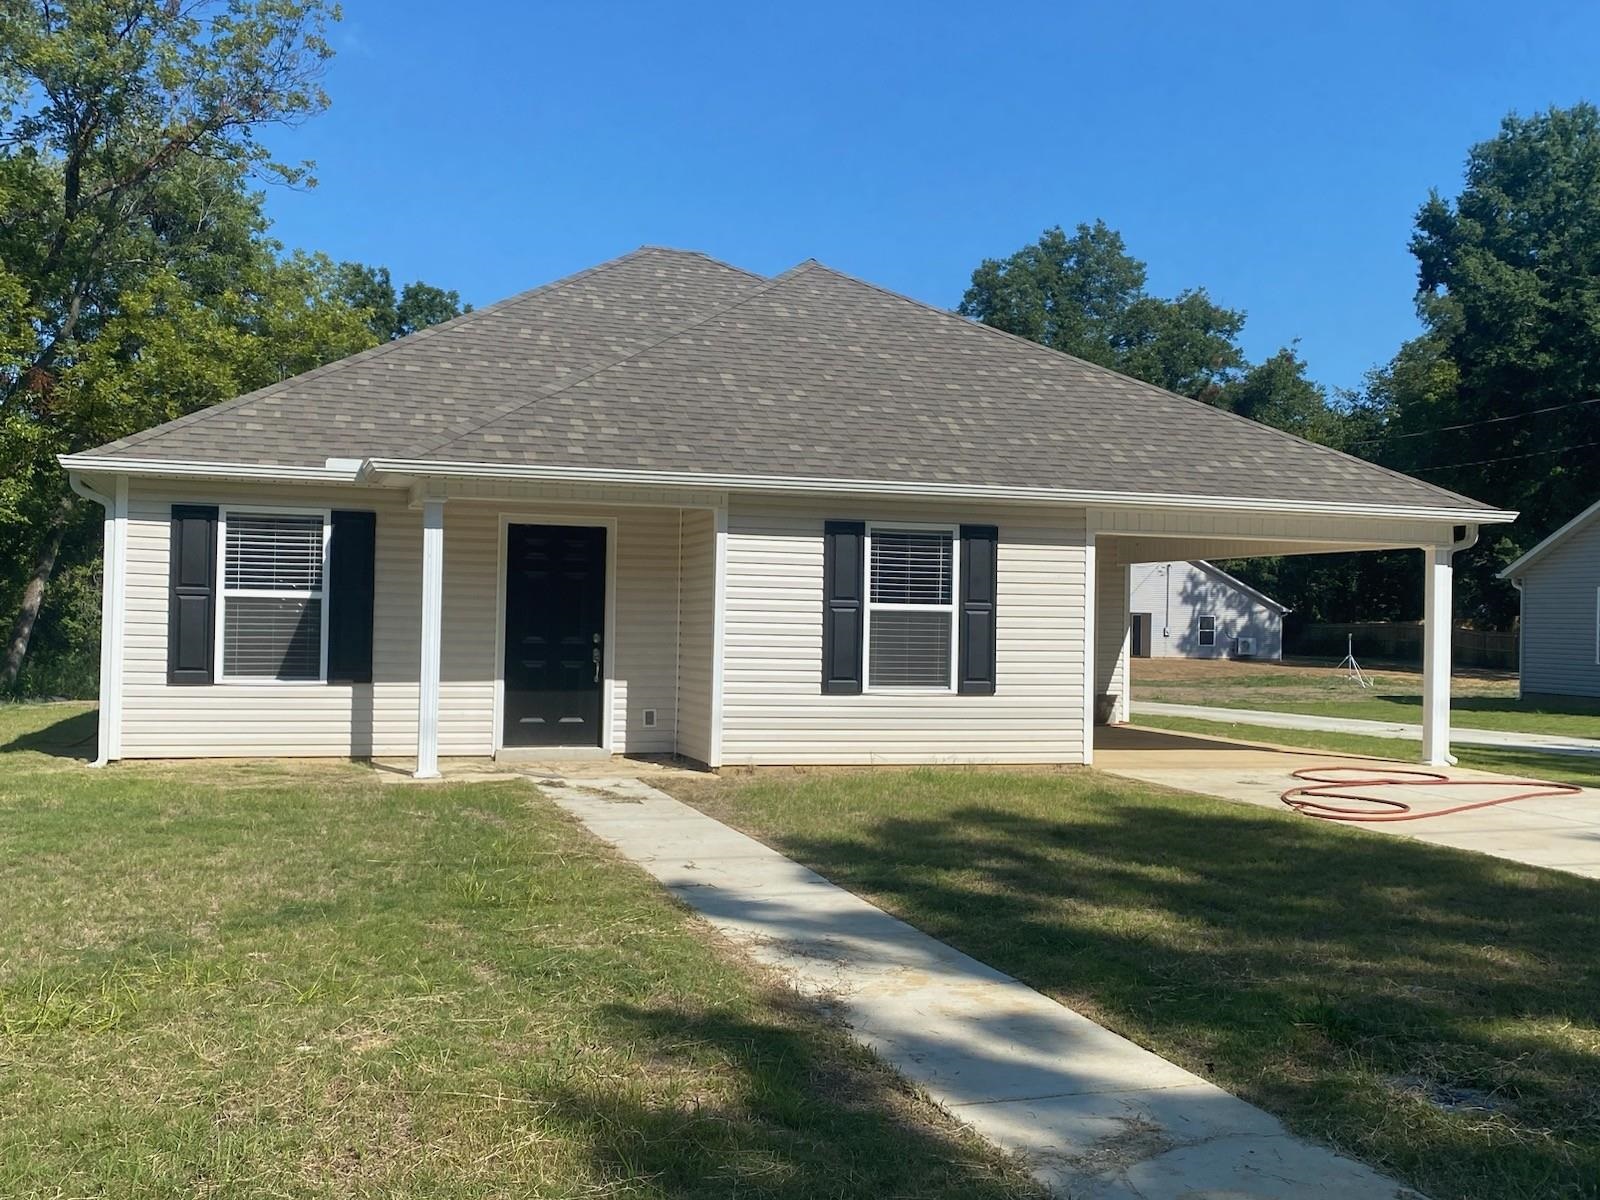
(1498,398)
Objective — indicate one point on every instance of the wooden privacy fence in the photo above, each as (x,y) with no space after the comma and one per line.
(1386,642)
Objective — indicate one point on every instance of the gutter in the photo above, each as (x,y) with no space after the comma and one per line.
(369,472)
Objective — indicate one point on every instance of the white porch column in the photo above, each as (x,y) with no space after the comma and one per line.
(432,627)
(1436,627)
(113,593)
(1091,598)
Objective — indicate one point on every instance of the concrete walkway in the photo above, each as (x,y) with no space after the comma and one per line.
(1537,743)
(1556,831)
(1097,1116)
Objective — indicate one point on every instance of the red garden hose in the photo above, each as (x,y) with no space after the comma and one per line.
(1313,800)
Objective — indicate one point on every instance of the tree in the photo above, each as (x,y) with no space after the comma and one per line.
(1492,400)
(1277,392)
(128,136)
(1085,295)
(391,315)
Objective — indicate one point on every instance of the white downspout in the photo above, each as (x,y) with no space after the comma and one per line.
(112,608)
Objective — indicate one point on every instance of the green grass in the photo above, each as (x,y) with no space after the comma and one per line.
(296,980)
(1560,768)
(1476,703)
(1335,977)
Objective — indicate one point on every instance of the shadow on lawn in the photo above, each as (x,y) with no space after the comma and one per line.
(1297,965)
(797,1119)
(73,736)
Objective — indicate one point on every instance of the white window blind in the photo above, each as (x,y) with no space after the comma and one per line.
(272,596)
(910,608)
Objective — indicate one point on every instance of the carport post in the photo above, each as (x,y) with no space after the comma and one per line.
(432,630)
(1436,626)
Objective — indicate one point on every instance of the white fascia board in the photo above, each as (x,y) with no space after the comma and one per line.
(930,491)
(1551,542)
(212,470)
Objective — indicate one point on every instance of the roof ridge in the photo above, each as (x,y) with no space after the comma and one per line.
(1094,366)
(378,351)
(506,410)
(710,258)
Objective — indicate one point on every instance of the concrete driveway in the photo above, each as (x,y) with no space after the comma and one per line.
(1559,832)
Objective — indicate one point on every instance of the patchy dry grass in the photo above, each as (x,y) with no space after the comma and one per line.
(1434,1012)
(267,979)
(1479,699)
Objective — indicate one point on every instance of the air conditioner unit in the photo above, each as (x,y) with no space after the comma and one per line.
(1244,647)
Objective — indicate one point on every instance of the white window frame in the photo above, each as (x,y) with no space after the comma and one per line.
(867,607)
(1201,630)
(219,634)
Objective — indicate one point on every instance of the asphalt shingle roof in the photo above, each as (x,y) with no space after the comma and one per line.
(666,360)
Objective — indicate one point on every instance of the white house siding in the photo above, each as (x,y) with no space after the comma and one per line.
(773,708)
(380,718)
(1111,624)
(1176,594)
(1559,597)
(696,626)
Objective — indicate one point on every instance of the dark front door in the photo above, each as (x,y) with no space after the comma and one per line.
(555,634)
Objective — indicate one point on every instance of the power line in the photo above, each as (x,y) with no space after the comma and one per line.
(1532,412)
(1484,462)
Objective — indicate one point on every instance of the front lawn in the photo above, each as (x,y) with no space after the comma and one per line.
(1479,700)
(1434,1012)
(296,980)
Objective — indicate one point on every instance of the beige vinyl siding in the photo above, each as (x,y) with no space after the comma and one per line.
(1111,624)
(269,718)
(696,628)
(774,711)
(1560,599)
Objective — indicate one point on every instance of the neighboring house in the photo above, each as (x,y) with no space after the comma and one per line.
(1193,609)
(669,506)
(1560,584)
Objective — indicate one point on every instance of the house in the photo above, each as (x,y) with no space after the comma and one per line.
(1559,580)
(1195,609)
(669,506)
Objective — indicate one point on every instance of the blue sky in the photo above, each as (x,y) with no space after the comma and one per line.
(1274,154)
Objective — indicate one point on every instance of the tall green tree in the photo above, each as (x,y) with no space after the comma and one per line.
(129,136)
(1494,399)
(1084,294)
(394,314)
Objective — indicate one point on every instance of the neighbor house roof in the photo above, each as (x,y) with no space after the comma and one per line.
(667,364)
(1521,565)
(1239,585)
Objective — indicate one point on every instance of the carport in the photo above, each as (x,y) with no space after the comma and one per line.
(1125,538)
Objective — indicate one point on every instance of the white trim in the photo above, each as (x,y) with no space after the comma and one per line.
(113,606)
(1200,631)
(1437,611)
(777,483)
(1551,542)
(219,636)
(608,636)
(211,470)
(432,634)
(1091,650)
(950,609)
(947,491)
(719,628)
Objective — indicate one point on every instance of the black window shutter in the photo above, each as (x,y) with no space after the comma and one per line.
(352,545)
(843,602)
(192,594)
(975,658)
